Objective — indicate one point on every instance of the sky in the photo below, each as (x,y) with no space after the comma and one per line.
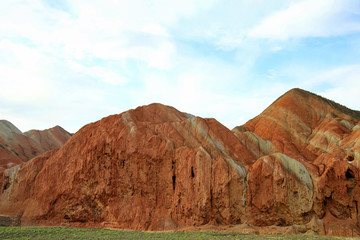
(72,62)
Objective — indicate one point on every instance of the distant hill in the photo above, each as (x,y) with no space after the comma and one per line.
(17,147)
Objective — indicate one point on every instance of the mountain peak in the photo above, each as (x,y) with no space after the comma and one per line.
(156,113)
(8,129)
(309,99)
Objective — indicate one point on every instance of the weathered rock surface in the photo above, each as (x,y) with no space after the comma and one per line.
(318,140)
(280,191)
(17,147)
(295,166)
(151,168)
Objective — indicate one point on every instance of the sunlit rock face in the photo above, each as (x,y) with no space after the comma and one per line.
(149,168)
(321,136)
(156,168)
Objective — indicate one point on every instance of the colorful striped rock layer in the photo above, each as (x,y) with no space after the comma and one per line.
(155,168)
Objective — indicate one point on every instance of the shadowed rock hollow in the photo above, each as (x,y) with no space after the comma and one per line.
(155,168)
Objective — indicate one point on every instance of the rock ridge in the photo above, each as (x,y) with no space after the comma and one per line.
(156,168)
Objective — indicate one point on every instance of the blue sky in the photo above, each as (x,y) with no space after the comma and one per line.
(70,63)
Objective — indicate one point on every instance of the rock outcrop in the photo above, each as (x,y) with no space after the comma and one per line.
(155,168)
(17,147)
(308,164)
(152,168)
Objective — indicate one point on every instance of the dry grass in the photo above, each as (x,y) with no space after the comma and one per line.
(90,233)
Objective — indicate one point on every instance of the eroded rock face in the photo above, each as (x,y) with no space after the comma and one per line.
(155,168)
(280,191)
(323,137)
(8,159)
(151,168)
(17,147)
(303,125)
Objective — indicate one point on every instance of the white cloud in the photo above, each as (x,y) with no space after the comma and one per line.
(342,84)
(310,18)
(117,30)
(225,24)
(25,74)
(208,88)
(100,73)
(88,59)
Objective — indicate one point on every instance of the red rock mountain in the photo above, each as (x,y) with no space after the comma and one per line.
(17,147)
(300,130)
(155,168)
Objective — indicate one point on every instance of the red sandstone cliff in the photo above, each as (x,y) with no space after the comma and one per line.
(314,141)
(155,168)
(151,168)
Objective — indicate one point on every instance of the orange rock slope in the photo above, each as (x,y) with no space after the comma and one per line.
(316,139)
(17,147)
(155,168)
